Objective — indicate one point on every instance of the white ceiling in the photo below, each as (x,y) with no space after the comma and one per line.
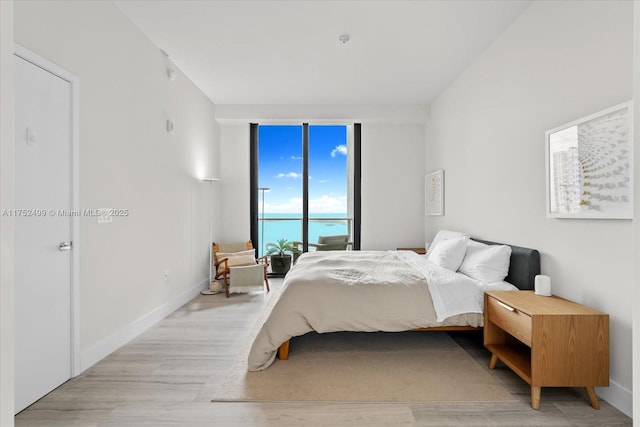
(287,52)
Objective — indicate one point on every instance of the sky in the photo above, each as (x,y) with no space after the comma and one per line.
(280,168)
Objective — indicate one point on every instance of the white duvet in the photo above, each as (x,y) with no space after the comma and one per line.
(366,291)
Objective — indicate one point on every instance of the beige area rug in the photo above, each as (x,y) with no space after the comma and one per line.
(365,367)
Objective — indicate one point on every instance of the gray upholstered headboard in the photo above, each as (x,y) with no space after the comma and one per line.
(523,267)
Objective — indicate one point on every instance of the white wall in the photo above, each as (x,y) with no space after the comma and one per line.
(235,186)
(392,166)
(636,221)
(392,186)
(7,285)
(559,61)
(321,113)
(129,161)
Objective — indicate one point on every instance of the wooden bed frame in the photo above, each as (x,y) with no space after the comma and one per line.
(283,350)
(524,265)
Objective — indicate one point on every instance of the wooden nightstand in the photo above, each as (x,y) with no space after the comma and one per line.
(547,341)
(420,251)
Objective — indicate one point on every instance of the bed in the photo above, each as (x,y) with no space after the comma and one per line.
(390,291)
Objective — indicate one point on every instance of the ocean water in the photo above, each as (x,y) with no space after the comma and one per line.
(289,226)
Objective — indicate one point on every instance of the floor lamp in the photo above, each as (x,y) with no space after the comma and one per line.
(263,189)
(208,291)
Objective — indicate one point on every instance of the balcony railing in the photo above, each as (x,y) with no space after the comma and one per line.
(271,229)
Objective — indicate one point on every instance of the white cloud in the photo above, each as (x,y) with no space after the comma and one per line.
(288,175)
(340,149)
(322,204)
(296,158)
(293,205)
(323,181)
(293,175)
(328,204)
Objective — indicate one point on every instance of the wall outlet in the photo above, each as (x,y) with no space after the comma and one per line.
(165,275)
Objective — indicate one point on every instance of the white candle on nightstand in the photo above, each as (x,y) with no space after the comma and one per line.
(542,285)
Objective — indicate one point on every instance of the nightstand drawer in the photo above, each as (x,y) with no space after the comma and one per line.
(510,320)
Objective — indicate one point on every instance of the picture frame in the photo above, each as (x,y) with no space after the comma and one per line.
(589,166)
(434,193)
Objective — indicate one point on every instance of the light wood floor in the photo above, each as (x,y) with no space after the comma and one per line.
(166,377)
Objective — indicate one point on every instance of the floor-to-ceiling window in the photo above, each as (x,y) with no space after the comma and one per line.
(303,182)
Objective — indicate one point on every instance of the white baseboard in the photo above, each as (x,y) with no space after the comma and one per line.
(618,397)
(99,351)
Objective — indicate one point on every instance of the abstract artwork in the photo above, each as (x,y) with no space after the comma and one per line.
(434,193)
(590,166)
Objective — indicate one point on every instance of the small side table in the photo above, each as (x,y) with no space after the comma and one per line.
(420,251)
(547,341)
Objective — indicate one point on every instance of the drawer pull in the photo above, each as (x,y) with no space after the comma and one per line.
(503,305)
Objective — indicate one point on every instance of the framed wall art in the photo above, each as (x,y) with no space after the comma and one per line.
(434,193)
(590,166)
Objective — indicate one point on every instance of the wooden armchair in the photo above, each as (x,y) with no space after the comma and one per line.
(227,256)
(331,243)
(325,243)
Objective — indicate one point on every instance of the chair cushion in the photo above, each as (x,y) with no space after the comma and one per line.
(333,239)
(237,259)
(332,243)
(233,247)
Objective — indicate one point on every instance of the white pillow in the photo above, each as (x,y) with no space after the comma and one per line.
(444,235)
(497,286)
(474,246)
(489,263)
(449,253)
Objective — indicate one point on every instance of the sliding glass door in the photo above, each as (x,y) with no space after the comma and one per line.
(303,180)
(329,191)
(280,184)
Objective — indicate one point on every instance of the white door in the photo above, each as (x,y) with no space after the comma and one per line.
(43,138)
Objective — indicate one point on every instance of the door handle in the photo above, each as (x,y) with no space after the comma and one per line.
(65,246)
